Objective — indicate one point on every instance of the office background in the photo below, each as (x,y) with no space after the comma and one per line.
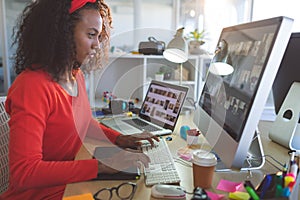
(136,20)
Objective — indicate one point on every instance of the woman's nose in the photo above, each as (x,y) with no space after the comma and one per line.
(96,44)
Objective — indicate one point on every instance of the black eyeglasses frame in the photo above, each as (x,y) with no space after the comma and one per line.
(134,186)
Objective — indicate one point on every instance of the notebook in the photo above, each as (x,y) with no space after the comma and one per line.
(159,111)
(101,153)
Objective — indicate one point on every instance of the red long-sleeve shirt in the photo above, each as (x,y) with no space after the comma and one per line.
(46,125)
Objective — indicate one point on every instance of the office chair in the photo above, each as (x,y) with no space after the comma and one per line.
(4,138)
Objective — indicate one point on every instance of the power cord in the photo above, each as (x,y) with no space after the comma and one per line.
(281,166)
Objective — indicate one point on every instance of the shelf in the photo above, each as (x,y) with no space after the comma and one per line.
(128,76)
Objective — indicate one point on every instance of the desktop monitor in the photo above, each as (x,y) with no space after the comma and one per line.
(288,72)
(230,107)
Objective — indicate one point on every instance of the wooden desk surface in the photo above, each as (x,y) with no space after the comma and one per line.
(185,170)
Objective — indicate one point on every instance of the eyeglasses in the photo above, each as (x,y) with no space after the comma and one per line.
(124,191)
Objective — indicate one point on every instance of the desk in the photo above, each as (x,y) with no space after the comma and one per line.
(185,172)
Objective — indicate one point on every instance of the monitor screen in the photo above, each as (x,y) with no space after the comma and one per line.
(230,106)
(288,72)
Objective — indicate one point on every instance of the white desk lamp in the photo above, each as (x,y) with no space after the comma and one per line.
(177,50)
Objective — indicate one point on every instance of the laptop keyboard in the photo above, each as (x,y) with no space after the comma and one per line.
(139,124)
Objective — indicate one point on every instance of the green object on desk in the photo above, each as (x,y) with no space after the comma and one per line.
(252,193)
(278,191)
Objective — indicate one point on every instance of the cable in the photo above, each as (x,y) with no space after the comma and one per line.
(266,156)
(279,163)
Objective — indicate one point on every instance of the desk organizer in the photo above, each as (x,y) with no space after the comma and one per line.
(293,196)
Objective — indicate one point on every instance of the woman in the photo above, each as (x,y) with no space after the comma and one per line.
(48,105)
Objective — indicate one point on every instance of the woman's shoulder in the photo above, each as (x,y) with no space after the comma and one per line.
(34,75)
(33,79)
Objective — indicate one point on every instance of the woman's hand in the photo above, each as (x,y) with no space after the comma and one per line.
(122,161)
(134,140)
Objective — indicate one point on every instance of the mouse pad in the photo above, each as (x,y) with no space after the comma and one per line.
(132,173)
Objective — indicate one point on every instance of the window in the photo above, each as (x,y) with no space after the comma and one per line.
(9,11)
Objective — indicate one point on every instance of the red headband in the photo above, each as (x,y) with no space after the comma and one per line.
(76,4)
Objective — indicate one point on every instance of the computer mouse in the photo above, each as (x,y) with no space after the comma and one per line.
(164,191)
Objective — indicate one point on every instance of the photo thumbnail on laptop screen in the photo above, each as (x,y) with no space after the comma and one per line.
(163,103)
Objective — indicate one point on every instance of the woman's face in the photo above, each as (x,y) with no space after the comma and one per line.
(87,34)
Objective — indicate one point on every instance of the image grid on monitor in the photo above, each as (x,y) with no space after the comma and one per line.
(234,94)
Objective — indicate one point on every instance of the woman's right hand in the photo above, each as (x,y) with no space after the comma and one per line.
(122,161)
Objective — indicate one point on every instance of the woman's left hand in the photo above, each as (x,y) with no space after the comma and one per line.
(134,140)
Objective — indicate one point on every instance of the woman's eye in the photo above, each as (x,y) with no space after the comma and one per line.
(91,35)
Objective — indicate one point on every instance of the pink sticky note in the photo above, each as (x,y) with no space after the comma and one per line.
(229,186)
(214,196)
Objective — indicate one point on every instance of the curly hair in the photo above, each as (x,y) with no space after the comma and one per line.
(44,36)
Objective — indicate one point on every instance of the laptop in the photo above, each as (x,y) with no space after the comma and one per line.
(158,114)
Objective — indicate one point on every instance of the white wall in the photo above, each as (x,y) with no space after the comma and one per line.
(272,8)
(135,23)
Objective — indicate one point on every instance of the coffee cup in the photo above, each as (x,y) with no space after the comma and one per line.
(204,163)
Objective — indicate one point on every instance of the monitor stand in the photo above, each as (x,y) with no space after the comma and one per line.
(285,129)
(255,157)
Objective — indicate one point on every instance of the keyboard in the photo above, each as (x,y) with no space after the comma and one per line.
(161,167)
(140,124)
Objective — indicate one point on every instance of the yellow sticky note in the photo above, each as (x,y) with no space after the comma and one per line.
(87,196)
(239,195)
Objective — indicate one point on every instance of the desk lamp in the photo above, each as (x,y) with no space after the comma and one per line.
(221,63)
(177,50)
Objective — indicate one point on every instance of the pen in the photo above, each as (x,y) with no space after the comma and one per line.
(286,192)
(278,179)
(288,179)
(278,191)
(294,168)
(284,171)
(251,192)
(266,185)
(292,154)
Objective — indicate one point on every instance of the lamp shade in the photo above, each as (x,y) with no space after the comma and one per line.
(221,63)
(177,50)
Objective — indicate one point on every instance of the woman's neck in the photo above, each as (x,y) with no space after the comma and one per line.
(69,84)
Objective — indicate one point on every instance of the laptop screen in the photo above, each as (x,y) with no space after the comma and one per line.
(162,104)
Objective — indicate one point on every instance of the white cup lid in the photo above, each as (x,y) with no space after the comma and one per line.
(204,158)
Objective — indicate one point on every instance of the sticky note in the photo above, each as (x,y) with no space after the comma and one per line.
(229,186)
(214,196)
(239,195)
(87,196)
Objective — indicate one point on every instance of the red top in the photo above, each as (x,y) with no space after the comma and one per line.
(45,125)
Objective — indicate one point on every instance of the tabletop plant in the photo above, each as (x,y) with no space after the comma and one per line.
(196,35)
(196,40)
